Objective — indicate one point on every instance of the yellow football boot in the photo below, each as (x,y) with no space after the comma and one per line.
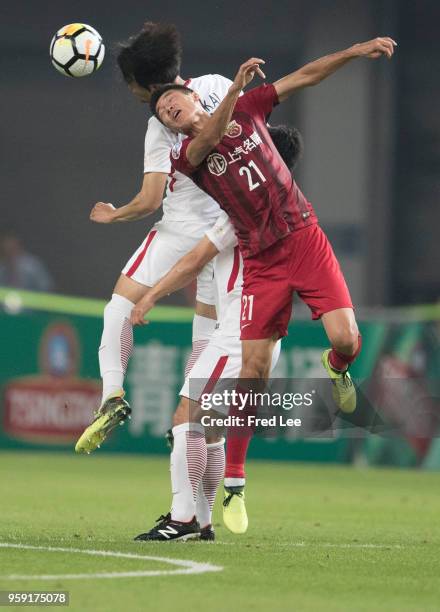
(343,389)
(114,411)
(234,510)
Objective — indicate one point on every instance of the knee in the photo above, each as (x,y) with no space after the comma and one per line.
(182,413)
(187,412)
(118,305)
(346,339)
(215,432)
(213,438)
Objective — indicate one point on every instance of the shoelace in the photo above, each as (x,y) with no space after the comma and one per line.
(347,379)
(108,409)
(230,496)
(163,517)
(100,412)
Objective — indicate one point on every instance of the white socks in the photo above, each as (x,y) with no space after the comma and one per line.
(215,469)
(116,344)
(234,482)
(203,329)
(188,464)
(197,469)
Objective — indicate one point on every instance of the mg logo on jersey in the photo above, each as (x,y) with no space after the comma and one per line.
(233,130)
(217,164)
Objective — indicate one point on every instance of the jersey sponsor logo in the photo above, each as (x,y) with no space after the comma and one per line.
(234,129)
(217,164)
(175,151)
(168,531)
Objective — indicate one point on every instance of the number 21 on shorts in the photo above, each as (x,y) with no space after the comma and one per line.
(247,307)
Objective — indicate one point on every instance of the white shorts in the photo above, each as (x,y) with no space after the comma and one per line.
(220,360)
(165,244)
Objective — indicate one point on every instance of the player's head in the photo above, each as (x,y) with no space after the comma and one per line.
(289,143)
(150,58)
(176,106)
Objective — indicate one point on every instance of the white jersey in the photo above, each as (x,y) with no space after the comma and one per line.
(228,277)
(184,201)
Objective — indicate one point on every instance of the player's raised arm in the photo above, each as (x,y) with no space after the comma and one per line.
(314,72)
(144,203)
(183,272)
(215,128)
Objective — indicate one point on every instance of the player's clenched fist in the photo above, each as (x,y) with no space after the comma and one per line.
(247,71)
(103,212)
(376,47)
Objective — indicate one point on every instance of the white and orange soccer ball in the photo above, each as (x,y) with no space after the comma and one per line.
(77,50)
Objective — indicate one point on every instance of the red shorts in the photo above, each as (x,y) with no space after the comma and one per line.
(304,262)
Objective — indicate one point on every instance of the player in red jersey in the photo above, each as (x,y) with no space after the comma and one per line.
(232,158)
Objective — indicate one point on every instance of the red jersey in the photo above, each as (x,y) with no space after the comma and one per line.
(246,175)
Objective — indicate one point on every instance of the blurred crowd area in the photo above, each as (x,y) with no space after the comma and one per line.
(20,269)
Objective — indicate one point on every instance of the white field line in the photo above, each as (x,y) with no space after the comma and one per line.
(184,566)
(314,545)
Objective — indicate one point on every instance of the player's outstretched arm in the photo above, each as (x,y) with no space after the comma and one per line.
(180,275)
(216,126)
(314,72)
(144,203)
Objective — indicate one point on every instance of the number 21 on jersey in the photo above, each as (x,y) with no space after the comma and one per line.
(245,170)
(247,307)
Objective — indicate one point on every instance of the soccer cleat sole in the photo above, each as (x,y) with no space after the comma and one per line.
(182,538)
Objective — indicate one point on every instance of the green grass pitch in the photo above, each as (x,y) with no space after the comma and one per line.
(320,537)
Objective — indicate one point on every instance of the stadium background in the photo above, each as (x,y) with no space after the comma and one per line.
(370,167)
(321,536)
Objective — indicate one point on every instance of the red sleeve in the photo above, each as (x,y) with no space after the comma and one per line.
(259,100)
(178,157)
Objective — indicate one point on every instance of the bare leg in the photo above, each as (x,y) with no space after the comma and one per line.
(256,364)
(343,333)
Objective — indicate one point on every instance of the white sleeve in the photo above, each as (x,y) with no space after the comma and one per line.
(223,84)
(222,234)
(158,143)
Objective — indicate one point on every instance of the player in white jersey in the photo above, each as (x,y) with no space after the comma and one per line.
(197,460)
(187,212)
(151,58)
(194,448)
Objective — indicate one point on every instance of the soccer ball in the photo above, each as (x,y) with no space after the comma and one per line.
(77,50)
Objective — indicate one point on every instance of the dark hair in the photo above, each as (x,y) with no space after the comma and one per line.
(157,93)
(153,56)
(289,143)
